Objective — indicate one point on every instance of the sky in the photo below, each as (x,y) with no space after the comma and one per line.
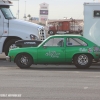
(58,9)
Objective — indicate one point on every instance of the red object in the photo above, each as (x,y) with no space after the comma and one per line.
(63,26)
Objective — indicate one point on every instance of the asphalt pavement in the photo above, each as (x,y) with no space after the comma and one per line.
(49,82)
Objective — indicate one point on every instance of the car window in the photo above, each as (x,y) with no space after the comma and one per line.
(55,42)
(6,12)
(75,42)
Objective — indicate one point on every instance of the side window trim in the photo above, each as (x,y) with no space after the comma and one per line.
(70,43)
(59,43)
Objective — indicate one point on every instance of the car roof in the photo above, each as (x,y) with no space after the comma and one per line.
(67,35)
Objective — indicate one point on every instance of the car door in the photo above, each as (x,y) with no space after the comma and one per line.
(1,23)
(52,51)
(1,29)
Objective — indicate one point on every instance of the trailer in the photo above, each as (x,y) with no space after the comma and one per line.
(64,26)
(91,29)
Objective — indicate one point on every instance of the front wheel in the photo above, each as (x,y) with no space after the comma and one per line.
(10,45)
(51,32)
(82,61)
(24,61)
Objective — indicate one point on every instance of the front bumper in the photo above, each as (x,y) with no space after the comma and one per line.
(8,58)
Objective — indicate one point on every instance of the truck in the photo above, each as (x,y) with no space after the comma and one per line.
(64,26)
(12,29)
(91,28)
(56,49)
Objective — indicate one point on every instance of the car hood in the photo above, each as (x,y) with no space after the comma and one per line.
(24,23)
(24,26)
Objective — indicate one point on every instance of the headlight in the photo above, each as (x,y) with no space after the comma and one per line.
(33,37)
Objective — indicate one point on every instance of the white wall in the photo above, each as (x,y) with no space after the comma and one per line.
(91,24)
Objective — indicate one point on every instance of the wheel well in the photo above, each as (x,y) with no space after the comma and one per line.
(23,53)
(10,38)
(84,53)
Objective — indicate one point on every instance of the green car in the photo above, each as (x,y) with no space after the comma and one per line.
(57,49)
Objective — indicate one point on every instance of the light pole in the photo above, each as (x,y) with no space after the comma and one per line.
(18,7)
(25,11)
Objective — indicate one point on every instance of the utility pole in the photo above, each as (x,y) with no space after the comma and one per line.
(25,11)
(18,7)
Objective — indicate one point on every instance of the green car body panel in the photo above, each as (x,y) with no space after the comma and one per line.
(57,54)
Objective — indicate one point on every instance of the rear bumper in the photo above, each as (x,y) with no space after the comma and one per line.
(8,58)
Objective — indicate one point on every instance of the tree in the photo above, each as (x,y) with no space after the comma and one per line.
(41,24)
(25,17)
(29,16)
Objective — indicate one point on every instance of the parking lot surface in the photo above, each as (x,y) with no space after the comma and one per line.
(49,82)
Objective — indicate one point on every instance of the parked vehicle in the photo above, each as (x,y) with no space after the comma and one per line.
(91,29)
(56,49)
(12,29)
(64,26)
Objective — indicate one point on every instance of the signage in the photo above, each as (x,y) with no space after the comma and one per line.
(43,12)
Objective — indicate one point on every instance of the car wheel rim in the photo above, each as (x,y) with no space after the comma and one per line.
(82,59)
(24,60)
(12,46)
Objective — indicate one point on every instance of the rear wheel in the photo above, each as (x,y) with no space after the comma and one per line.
(24,61)
(82,61)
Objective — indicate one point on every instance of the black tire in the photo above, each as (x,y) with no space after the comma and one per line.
(8,44)
(24,61)
(51,32)
(83,61)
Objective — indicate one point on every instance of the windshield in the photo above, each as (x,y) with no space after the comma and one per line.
(7,13)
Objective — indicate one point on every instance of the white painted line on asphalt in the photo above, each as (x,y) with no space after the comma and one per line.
(85,88)
(97,76)
(77,72)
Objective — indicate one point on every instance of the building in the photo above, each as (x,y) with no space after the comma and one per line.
(43,12)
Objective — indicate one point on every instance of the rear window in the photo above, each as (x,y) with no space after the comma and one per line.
(75,42)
